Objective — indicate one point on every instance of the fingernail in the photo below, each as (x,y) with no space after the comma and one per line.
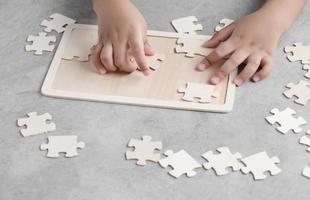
(102,72)
(238,81)
(215,80)
(201,66)
(256,78)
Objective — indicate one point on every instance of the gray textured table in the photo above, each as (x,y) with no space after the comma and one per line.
(100,172)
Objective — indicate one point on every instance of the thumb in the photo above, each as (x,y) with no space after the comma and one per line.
(148,50)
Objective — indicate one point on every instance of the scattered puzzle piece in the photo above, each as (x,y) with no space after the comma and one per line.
(36,124)
(287,120)
(301,90)
(80,44)
(223,24)
(181,162)
(260,163)
(186,25)
(305,140)
(220,162)
(57,23)
(307,67)
(40,43)
(155,61)
(62,144)
(192,47)
(299,52)
(203,92)
(144,150)
(306,172)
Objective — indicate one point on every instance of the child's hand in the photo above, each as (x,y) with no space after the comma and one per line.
(121,29)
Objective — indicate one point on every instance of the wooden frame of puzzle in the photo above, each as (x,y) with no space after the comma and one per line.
(74,79)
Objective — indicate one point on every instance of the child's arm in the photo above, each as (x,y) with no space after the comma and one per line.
(121,27)
(252,39)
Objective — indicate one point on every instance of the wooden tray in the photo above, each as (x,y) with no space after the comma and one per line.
(79,80)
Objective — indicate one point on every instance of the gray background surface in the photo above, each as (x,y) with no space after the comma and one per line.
(100,171)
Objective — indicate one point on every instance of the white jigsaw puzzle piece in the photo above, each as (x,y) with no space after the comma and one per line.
(192,46)
(223,24)
(220,162)
(79,45)
(306,172)
(144,150)
(299,52)
(186,25)
(307,67)
(36,124)
(287,120)
(260,163)
(202,92)
(301,90)
(181,162)
(57,23)
(305,140)
(40,43)
(155,61)
(62,144)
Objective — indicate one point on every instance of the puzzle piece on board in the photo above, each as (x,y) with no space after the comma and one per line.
(80,44)
(220,162)
(306,172)
(223,24)
(67,144)
(181,162)
(186,25)
(192,47)
(155,61)
(307,67)
(260,163)
(36,124)
(40,43)
(299,52)
(301,90)
(287,120)
(305,140)
(144,150)
(203,92)
(57,23)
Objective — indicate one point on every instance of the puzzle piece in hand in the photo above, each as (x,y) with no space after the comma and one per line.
(192,47)
(155,61)
(306,172)
(223,24)
(307,67)
(36,124)
(287,120)
(203,92)
(299,52)
(181,163)
(80,44)
(67,144)
(220,162)
(260,163)
(57,23)
(301,90)
(305,140)
(144,150)
(186,25)
(40,43)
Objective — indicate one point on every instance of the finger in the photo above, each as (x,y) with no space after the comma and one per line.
(217,54)
(148,50)
(232,63)
(266,66)
(137,47)
(106,57)
(95,58)
(251,67)
(220,36)
(120,56)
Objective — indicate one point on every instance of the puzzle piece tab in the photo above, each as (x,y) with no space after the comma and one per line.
(260,163)
(57,23)
(192,47)
(299,52)
(305,140)
(144,150)
(287,120)
(62,144)
(306,172)
(155,61)
(186,25)
(40,43)
(202,92)
(223,24)
(220,162)
(301,90)
(181,162)
(36,124)
(307,67)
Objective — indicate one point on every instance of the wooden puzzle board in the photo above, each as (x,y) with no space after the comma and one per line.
(79,80)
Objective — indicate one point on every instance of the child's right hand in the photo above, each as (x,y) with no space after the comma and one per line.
(121,28)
